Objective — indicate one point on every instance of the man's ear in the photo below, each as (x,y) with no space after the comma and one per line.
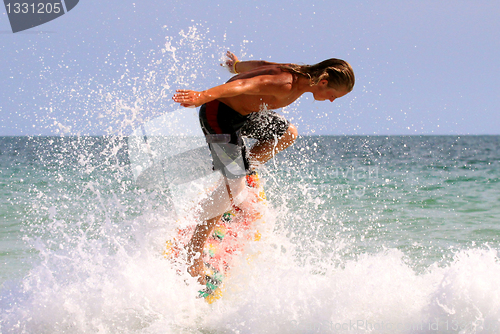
(323,83)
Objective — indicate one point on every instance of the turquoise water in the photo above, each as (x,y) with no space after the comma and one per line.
(426,196)
(366,235)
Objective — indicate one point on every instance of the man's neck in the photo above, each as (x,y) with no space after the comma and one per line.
(303,85)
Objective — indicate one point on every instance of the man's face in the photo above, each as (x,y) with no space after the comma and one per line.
(325,92)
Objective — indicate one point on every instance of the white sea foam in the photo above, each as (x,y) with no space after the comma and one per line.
(121,283)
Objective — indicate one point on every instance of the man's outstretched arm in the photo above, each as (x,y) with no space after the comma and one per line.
(258,85)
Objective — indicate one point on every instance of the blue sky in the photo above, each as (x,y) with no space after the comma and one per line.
(422,67)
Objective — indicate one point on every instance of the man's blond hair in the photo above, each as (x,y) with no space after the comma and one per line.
(337,72)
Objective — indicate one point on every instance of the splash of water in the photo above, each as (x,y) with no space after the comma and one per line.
(97,245)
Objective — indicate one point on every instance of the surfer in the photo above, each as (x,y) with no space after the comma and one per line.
(232,109)
(273,132)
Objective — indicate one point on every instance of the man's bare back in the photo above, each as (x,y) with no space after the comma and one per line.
(284,88)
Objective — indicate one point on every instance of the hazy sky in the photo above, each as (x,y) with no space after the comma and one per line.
(422,67)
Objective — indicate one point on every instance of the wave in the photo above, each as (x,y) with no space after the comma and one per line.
(115,280)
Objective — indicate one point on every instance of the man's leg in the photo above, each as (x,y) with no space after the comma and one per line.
(195,248)
(262,151)
(229,191)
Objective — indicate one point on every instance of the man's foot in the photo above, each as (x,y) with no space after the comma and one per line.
(198,269)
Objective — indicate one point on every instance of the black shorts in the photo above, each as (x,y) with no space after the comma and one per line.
(265,125)
(222,128)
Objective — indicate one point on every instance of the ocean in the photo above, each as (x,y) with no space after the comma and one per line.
(367,234)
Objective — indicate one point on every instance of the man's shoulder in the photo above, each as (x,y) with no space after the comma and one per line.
(281,80)
(271,74)
(272,69)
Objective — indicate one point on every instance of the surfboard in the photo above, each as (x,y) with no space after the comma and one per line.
(170,153)
(226,244)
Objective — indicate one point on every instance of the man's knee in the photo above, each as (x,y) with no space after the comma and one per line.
(292,132)
(237,190)
(289,136)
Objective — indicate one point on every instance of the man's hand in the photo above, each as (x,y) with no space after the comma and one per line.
(189,98)
(230,61)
